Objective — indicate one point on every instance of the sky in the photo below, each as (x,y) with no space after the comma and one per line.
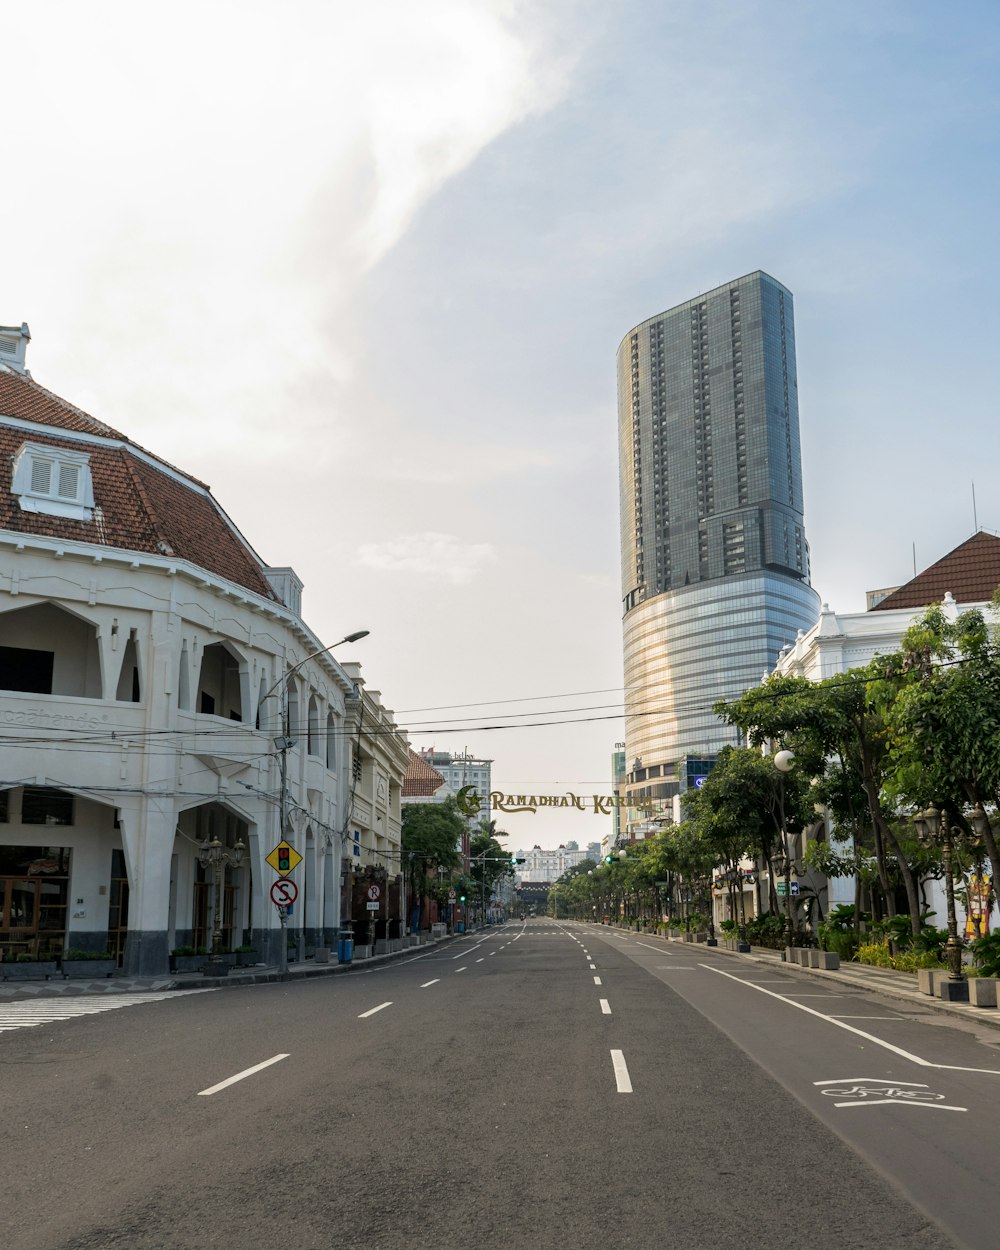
(364,269)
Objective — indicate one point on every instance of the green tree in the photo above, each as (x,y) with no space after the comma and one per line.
(944,720)
(430,836)
(838,732)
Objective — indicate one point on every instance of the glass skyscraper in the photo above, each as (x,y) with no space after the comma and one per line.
(715,564)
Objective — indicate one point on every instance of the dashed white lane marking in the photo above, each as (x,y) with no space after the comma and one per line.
(381,1007)
(240,1076)
(877,1041)
(24,1015)
(464,968)
(426,983)
(605,1007)
(592,965)
(622,1078)
(480,960)
(597,980)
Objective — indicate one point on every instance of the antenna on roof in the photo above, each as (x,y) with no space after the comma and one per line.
(914,559)
(975,521)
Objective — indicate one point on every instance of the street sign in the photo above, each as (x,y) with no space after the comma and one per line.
(452,896)
(374,893)
(793,887)
(284,858)
(284,893)
(373,906)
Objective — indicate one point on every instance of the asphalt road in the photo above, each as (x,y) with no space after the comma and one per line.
(542,1084)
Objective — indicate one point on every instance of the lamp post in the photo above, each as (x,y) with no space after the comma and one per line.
(218,857)
(283,743)
(784,762)
(934,828)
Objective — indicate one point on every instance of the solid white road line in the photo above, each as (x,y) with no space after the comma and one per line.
(426,983)
(621,1072)
(605,1007)
(849,1028)
(381,1007)
(240,1076)
(597,980)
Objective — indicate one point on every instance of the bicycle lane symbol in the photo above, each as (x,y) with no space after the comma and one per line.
(865,1091)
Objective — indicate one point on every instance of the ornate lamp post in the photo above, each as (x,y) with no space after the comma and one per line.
(784,762)
(218,858)
(934,829)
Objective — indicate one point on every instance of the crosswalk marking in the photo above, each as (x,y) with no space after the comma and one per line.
(25,1015)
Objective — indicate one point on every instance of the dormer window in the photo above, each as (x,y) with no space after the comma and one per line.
(53,480)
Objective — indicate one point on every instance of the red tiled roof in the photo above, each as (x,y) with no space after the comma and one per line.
(138,506)
(420,779)
(971,572)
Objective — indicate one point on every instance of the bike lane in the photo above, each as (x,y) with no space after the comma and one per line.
(915,1094)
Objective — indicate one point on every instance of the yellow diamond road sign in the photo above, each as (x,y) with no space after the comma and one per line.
(284,858)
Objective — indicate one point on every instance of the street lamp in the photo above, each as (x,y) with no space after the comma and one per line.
(218,857)
(933,828)
(283,742)
(784,762)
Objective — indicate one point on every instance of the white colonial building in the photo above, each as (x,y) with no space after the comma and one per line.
(155,677)
(965,578)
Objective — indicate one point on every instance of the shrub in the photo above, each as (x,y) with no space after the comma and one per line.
(73,954)
(190,950)
(878,955)
(986,954)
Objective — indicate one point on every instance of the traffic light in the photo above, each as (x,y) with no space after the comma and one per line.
(609,859)
(461,898)
(284,864)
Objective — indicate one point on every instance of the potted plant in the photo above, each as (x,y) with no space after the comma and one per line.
(28,967)
(188,958)
(80,963)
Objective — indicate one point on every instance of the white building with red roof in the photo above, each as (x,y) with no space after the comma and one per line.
(154,672)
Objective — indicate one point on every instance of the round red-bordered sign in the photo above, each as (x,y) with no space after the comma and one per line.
(284,892)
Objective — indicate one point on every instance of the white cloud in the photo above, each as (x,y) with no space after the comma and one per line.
(434,556)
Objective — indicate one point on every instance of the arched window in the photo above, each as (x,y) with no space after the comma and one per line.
(292,724)
(331,743)
(314,745)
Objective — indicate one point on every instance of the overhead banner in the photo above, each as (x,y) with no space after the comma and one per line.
(471,803)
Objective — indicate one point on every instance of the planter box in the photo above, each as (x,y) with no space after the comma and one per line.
(926,978)
(983,991)
(829,961)
(187,963)
(36,970)
(91,968)
(247,959)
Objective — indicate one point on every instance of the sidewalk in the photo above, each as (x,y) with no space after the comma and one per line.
(300,970)
(884,981)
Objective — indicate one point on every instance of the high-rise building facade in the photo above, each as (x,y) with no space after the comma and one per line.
(715,564)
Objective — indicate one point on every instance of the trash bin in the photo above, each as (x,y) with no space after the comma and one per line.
(460,926)
(345,946)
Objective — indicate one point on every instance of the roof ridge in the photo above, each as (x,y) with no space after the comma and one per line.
(147,503)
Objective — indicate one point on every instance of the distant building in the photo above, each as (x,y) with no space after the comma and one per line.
(544,865)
